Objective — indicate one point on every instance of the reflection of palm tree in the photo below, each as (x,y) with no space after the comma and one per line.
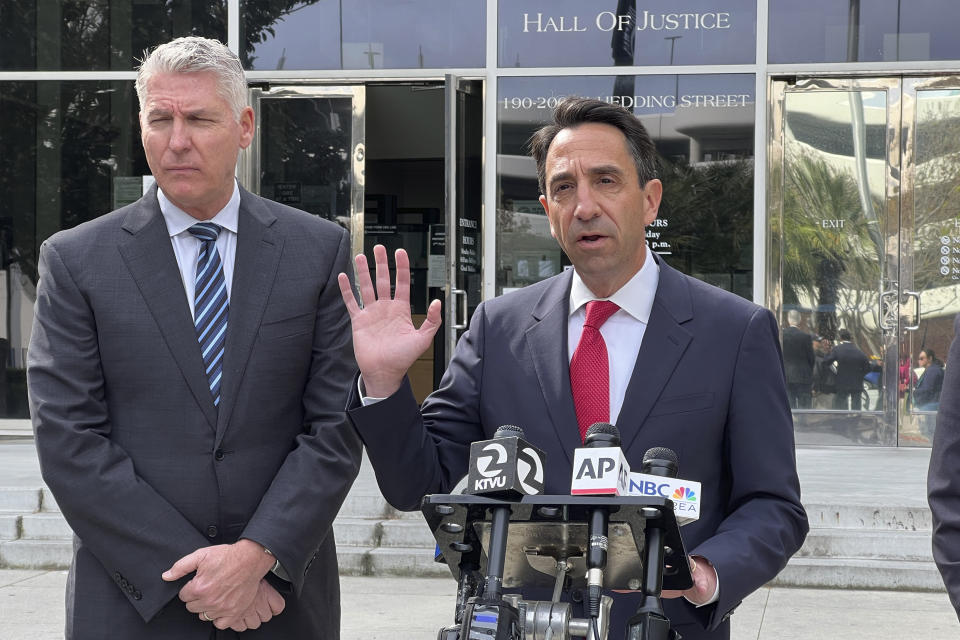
(820,261)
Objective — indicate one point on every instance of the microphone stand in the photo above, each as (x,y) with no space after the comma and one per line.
(650,622)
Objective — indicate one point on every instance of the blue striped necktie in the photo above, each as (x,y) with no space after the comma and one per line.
(210,305)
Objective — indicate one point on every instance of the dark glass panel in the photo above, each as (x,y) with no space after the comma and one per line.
(703,129)
(95,35)
(362,34)
(71,153)
(857,31)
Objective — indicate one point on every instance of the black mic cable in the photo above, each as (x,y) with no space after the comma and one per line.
(600,434)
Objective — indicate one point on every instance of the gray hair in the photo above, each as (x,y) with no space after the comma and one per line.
(793,317)
(195,55)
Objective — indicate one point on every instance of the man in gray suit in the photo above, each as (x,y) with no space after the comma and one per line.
(188,371)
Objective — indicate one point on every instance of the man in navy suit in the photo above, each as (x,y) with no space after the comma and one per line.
(691,367)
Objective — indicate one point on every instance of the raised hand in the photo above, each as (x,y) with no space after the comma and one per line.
(385,342)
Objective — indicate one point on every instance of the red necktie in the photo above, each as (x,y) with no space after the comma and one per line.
(590,369)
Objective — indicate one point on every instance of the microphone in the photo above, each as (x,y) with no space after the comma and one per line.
(599,467)
(660,461)
(506,467)
(658,478)
(650,622)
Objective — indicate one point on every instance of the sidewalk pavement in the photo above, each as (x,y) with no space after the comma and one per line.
(31,608)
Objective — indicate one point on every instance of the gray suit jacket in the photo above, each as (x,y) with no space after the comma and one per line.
(143,466)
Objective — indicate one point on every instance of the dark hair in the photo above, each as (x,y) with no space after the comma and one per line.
(573,111)
(844,334)
(931,356)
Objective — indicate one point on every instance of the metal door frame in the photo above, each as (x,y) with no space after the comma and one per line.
(883,423)
(456,305)
(248,167)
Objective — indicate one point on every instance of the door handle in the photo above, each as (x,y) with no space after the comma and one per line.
(459,296)
(889,310)
(916,296)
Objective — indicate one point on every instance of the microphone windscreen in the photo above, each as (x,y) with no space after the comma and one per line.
(508,430)
(602,434)
(660,453)
(660,461)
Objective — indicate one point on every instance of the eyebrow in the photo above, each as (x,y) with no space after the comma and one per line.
(162,111)
(603,169)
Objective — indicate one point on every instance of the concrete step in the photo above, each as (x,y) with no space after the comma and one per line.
(48,502)
(911,546)
(915,517)
(9,526)
(409,562)
(45,526)
(373,532)
(357,532)
(20,499)
(36,554)
(407,533)
(859,573)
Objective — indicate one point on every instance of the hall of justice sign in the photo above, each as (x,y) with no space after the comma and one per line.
(610,21)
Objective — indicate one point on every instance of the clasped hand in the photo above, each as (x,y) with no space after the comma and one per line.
(228,588)
(385,342)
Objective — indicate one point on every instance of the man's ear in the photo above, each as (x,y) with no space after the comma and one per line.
(546,210)
(652,195)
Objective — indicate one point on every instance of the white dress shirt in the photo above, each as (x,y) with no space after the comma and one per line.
(186,246)
(625,328)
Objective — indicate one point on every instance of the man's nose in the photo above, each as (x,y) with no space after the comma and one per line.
(587,206)
(179,136)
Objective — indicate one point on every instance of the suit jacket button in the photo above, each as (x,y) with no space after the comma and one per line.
(218,455)
(212,531)
(117,577)
(137,595)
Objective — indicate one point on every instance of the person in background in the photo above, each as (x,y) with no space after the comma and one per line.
(926,394)
(852,365)
(187,373)
(798,361)
(824,374)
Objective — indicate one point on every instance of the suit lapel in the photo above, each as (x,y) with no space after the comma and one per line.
(664,342)
(255,268)
(551,363)
(149,257)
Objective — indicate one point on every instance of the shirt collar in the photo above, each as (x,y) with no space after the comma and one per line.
(179,221)
(635,297)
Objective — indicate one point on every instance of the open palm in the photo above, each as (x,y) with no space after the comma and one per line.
(385,341)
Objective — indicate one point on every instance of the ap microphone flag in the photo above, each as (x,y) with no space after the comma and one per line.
(599,467)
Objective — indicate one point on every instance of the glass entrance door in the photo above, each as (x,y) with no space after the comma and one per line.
(863,201)
(463,108)
(309,152)
(929,247)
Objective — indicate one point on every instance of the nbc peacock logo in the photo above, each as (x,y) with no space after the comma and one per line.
(684,493)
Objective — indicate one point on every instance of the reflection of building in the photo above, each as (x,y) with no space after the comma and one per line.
(849,250)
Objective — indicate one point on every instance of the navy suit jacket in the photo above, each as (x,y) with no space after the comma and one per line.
(943,478)
(708,383)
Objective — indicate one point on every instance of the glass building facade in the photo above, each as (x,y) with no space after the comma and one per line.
(805,149)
